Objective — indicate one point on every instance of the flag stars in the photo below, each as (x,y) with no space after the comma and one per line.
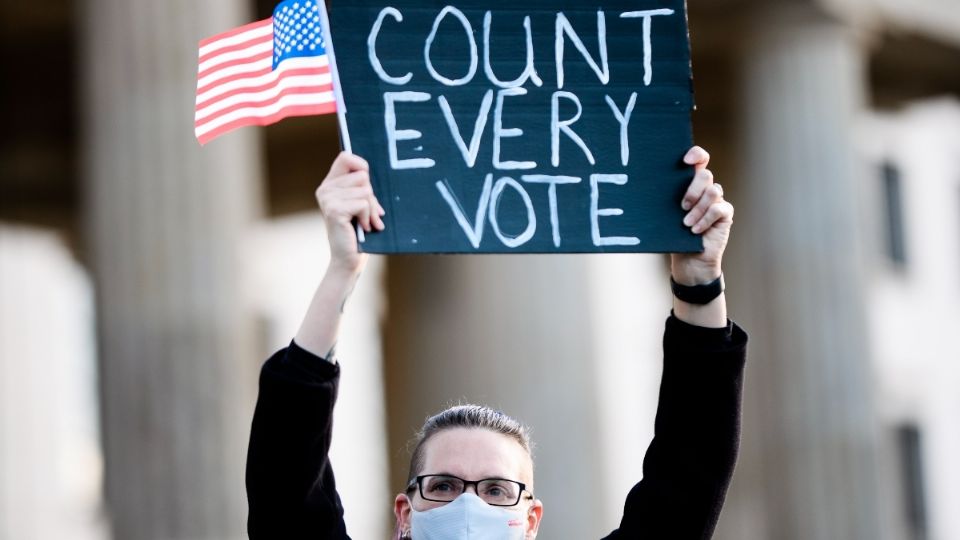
(297,30)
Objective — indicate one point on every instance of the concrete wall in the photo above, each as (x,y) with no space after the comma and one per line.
(914,316)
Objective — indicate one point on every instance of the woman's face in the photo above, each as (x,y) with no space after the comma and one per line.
(473,454)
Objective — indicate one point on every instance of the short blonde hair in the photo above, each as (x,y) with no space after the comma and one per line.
(466,416)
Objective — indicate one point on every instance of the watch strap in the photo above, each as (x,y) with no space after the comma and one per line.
(698,294)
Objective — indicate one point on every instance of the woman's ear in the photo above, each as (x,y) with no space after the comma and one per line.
(534,515)
(402,507)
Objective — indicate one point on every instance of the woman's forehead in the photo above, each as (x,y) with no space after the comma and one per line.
(476,453)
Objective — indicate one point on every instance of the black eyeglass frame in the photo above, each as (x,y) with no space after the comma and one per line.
(417,483)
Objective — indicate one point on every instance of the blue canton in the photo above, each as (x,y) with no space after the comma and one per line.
(297,30)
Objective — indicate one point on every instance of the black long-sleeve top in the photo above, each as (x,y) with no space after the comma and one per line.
(686,471)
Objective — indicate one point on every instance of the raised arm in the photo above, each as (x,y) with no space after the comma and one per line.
(344,195)
(690,461)
(710,215)
(291,488)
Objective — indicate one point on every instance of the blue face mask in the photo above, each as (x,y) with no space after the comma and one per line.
(468,518)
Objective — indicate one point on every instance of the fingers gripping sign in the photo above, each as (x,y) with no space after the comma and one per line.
(346,196)
(709,215)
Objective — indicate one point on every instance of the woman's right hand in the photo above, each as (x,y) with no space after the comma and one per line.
(344,195)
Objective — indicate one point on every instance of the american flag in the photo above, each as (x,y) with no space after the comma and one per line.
(263,72)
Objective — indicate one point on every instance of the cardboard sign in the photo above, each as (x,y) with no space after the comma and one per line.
(531,127)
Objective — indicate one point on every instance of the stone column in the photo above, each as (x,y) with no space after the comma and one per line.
(49,457)
(165,219)
(808,469)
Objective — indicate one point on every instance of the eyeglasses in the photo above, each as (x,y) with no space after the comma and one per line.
(446,488)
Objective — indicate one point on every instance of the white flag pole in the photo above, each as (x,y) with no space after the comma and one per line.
(337,91)
(334,74)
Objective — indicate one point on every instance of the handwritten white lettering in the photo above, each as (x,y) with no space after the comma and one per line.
(624,119)
(557,125)
(372,47)
(473,231)
(596,212)
(527,234)
(529,72)
(552,182)
(468,30)
(469,153)
(395,135)
(563,27)
(647,16)
(499,132)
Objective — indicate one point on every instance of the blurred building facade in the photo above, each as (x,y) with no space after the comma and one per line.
(835,128)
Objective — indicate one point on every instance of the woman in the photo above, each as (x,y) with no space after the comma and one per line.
(471,473)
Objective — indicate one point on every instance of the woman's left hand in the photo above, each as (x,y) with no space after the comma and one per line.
(708,214)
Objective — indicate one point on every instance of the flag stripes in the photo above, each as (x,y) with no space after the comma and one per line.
(237,84)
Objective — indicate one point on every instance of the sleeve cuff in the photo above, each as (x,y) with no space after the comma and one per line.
(297,362)
(698,338)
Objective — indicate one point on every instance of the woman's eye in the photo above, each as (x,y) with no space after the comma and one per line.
(495,490)
(442,487)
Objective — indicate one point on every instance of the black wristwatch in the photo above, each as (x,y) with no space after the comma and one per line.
(698,294)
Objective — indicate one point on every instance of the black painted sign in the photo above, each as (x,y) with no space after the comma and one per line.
(532,127)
